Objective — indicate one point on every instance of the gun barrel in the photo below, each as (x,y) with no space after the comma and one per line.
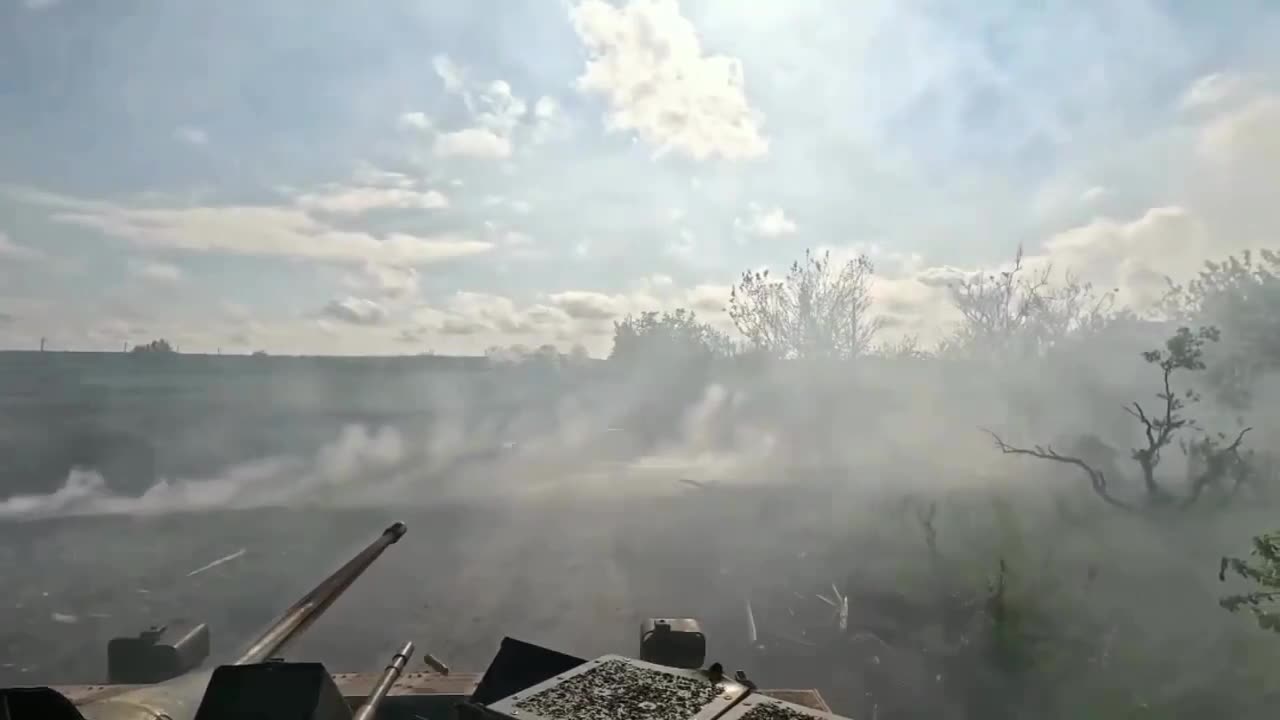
(369,709)
(305,611)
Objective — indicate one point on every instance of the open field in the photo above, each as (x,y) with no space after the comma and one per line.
(976,586)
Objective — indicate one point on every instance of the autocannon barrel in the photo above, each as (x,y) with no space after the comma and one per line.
(369,710)
(178,698)
(302,613)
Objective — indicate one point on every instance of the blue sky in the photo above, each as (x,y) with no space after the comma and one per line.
(414,175)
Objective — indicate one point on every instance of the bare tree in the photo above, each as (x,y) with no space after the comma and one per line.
(816,311)
(1020,310)
(906,347)
(1097,480)
(1214,457)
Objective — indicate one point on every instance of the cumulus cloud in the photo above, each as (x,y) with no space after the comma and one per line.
(562,318)
(1221,202)
(494,110)
(1135,256)
(1244,136)
(931,102)
(417,121)
(472,142)
(393,282)
(355,311)
(258,231)
(648,62)
(475,313)
(767,223)
(586,305)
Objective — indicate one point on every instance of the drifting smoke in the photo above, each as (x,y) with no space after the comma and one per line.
(357,456)
(563,515)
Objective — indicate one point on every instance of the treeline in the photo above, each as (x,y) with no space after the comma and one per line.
(821,310)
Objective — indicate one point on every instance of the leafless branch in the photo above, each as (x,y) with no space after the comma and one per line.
(1097,480)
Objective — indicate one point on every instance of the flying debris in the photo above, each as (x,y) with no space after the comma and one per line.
(233,556)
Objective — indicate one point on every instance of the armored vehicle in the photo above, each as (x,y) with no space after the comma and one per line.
(160,675)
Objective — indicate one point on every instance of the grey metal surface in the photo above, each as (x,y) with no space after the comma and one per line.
(355,687)
(614,686)
(369,709)
(759,706)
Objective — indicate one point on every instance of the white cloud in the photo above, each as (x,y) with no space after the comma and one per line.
(683,245)
(648,61)
(472,142)
(1221,201)
(495,112)
(191,135)
(1244,136)
(582,305)
(259,231)
(366,174)
(13,252)
(355,311)
(546,108)
(1237,170)
(1093,195)
(495,316)
(417,121)
(38,5)
(449,72)
(156,271)
(515,238)
(356,200)
(1214,90)
(767,223)
(393,282)
(562,318)
(498,109)
(1133,257)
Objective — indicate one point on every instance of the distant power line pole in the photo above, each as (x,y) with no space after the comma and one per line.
(42,344)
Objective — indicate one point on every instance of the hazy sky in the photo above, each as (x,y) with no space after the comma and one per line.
(410,175)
